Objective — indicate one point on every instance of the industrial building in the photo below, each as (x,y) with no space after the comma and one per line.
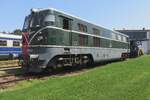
(142,37)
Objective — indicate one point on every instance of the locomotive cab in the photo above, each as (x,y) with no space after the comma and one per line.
(35,36)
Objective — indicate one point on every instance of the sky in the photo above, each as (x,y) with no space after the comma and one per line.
(111,14)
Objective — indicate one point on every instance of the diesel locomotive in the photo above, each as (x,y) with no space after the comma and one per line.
(53,38)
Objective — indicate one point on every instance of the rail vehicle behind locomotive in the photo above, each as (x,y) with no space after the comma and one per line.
(10,46)
(52,38)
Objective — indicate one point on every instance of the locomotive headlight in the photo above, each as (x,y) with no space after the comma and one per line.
(34,57)
(40,38)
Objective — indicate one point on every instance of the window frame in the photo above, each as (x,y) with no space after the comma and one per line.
(96,31)
(3,43)
(82,28)
(18,43)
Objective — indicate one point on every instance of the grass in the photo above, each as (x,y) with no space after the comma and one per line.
(129,80)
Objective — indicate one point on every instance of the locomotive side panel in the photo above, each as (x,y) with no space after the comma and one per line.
(46,53)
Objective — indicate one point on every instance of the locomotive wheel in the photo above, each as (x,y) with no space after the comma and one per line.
(25,69)
(52,65)
(90,61)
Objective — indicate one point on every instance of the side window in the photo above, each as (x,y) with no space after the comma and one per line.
(82,28)
(3,43)
(96,31)
(16,43)
(65,23)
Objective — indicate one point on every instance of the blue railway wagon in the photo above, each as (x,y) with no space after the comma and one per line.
(10,46)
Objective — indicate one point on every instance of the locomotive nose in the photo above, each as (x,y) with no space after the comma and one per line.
(34,59)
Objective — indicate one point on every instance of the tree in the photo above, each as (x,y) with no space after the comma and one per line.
(17,32)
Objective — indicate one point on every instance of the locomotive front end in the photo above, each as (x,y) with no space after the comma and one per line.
(35,40)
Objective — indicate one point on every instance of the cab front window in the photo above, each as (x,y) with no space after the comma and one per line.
(49,20)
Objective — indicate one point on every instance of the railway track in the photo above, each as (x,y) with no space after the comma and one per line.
(9,63)
(9,72)
(9,67)
(11,80)
(8,80)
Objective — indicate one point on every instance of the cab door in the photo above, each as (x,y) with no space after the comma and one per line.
(66,24)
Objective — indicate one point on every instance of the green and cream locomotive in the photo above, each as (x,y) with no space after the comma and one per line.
(52,38)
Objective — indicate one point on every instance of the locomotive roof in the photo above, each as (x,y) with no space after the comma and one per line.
(2,35)
(53,9)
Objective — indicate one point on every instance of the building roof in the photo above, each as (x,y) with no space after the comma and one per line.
(11,36)
(124,30)
(137,35)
